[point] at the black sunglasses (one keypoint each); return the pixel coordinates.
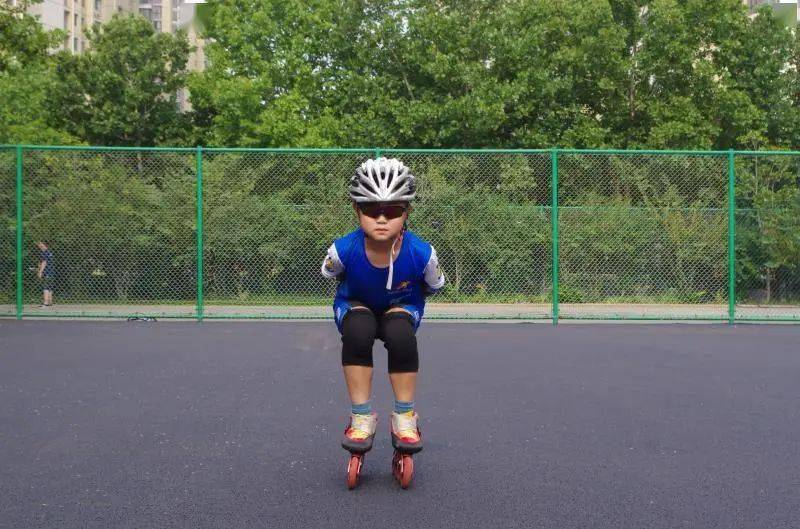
(376, 209)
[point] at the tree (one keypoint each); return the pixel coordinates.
(268, 65)
(483, 73)
(794, 84)
(769, 226)
(25, 77)
(23, 40)
(759, 69)
(680, 91)
(407, 73)
(123, 90)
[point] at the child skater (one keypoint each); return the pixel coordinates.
(385, 272)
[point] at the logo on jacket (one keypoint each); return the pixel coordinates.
(403, 285)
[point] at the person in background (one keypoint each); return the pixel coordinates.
(46, 273)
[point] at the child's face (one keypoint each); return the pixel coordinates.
(382, 221)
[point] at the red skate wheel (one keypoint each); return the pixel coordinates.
(354, 470)
(406, 470)
(396, 466)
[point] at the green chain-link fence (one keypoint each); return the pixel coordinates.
(767, 259)
(643, 235)
(8, 243)
(240, 233)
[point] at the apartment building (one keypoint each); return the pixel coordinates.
(786, 10)
(169, 16)
(74, 16)
(186, 21)
(162, 13)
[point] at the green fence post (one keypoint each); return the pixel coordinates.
(199, 186)
(554, 224)
(19, 232)
(731, 238)
(377, 153)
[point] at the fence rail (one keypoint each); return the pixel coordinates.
(522, 234)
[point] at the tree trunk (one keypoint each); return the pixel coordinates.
(457, 284)
(769, 285)
(122, 282)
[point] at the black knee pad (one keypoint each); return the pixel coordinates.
(359, 329)
(397, 333)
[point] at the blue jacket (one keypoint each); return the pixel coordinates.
(416, 273)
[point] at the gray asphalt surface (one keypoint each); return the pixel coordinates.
(174, 424)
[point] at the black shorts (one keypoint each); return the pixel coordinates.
(48, 282)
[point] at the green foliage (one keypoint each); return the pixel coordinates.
(530, 73)
(760, 70)
(25, 78)
(23, 41)
(23, 116)
(768, 255)
(122, 91)
(7, 223)
(122, 223)
(410, 73)
(632, 228)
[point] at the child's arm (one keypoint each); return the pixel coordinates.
(434, 277)
(332, 266)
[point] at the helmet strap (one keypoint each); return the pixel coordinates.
(399, 238)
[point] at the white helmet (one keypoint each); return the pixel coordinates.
(383, 180)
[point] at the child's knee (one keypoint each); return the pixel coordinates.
(359, 329)
(397, 332)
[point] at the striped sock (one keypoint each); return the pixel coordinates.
(403, 407)
(362, 409)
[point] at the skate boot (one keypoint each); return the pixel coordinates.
(406, 436)
(357, 440)
(407, 441)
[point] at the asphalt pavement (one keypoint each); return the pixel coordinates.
(228, 424)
